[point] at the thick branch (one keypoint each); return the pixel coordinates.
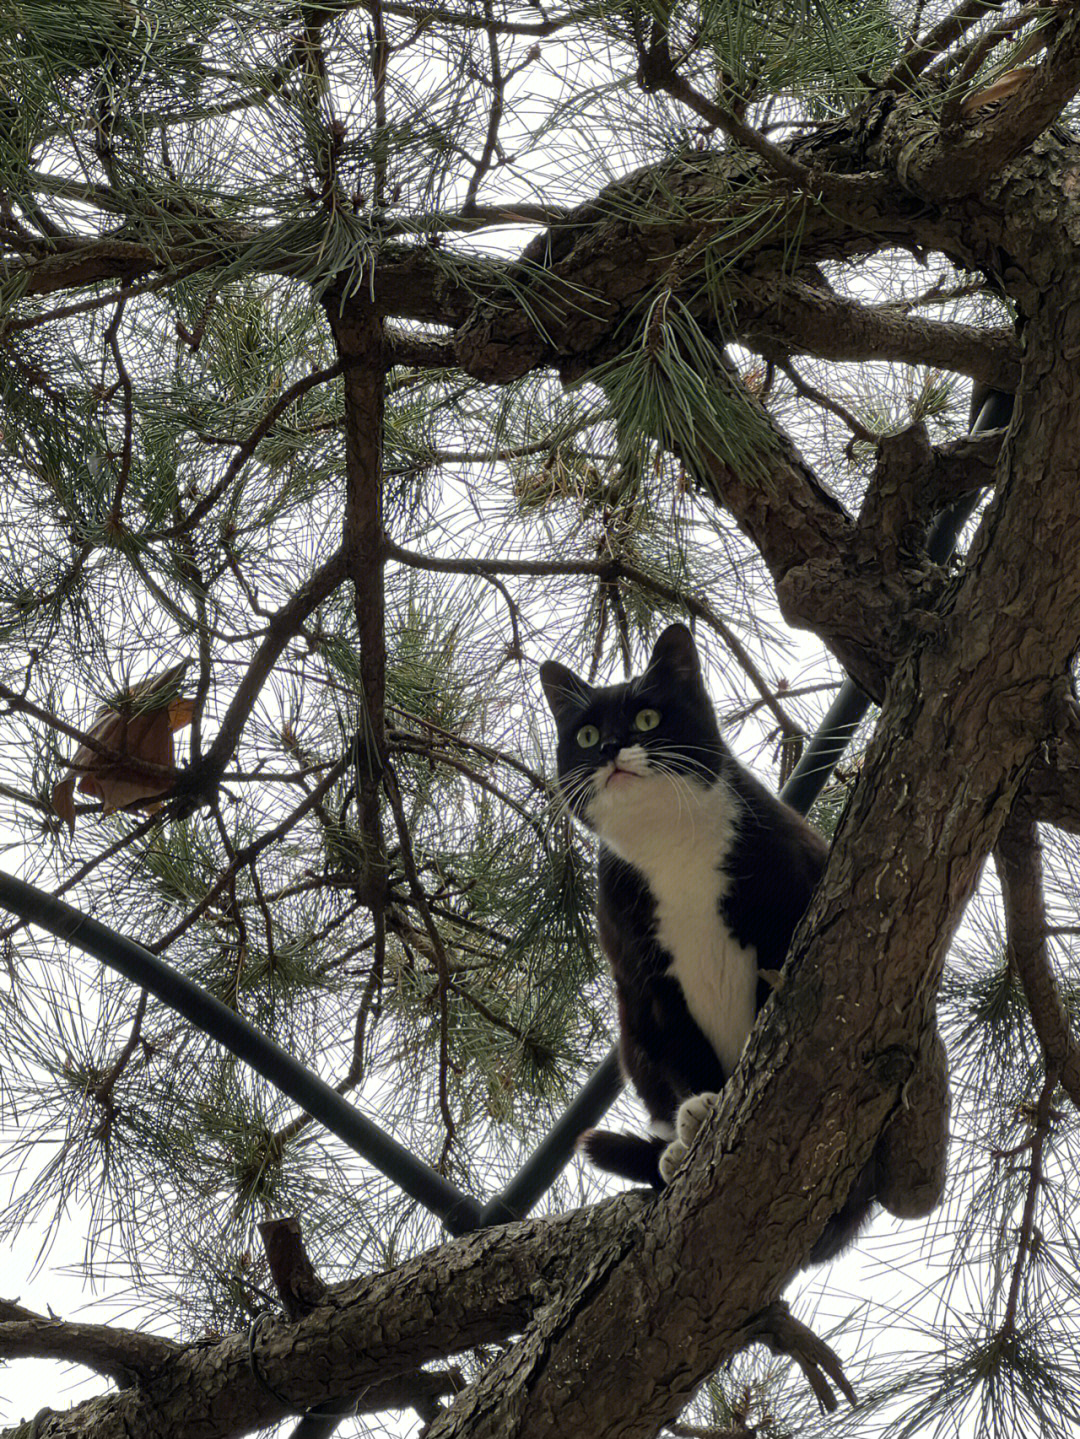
(807, 318)
(941, 165)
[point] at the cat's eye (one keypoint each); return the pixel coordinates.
(646, 719)
(587, 736)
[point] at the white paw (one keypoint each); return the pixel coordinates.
(670, 1160)
(692, 1114)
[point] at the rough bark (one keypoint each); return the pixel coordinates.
(648, 1297)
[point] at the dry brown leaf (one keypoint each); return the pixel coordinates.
(140, 726)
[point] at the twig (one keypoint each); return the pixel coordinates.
(1025, 1244)
(282, 628)
(151, 822)
(536, 779)
(102, 302)
(495, 113)
(113, 756)
(111, 339)
(247, 854)
(420, 899)
(428, 750)
(658, 72)
(368, 1004)
(548, 445)
(979, 48)
(463, 20)
(939, 39)
(609, 570)
(380, 59)
(102, 1089)
(283, 402)
(232, 910)
(856, 426)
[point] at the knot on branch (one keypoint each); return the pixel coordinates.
(894, 515)
(299, 1287)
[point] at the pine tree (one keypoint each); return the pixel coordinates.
(360, 355)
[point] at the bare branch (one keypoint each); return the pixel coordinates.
(803, 317)
(122, 1354)
(778, 1329)
(1019, 865)
(283, 627)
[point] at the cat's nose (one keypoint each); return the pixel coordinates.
(609, 748)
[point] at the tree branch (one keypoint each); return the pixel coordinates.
(803, 1101)
(122, 1354)
(283, 627)
(1018, 857)
(941, 165)
(807, 318)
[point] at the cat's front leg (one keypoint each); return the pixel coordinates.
(692, 1114)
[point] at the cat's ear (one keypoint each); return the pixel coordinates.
(675, 655)
(566, 693)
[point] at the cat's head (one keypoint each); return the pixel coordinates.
(623, 747)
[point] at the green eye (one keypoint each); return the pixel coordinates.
(587, 736)
(646, 719)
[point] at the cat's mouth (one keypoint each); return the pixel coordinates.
(620, 776)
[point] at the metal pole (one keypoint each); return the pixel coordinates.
(548, 1160)
(828, 743)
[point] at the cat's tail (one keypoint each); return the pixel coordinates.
(631, 1156)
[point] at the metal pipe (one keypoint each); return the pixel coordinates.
(828, 743)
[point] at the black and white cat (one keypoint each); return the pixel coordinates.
(703, 876)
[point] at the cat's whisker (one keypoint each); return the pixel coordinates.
(673, 761)
(577, 786)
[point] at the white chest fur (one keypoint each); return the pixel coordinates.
(678, 834)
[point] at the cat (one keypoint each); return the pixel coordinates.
(703, 876)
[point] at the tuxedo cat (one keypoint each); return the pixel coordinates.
(703, 876)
